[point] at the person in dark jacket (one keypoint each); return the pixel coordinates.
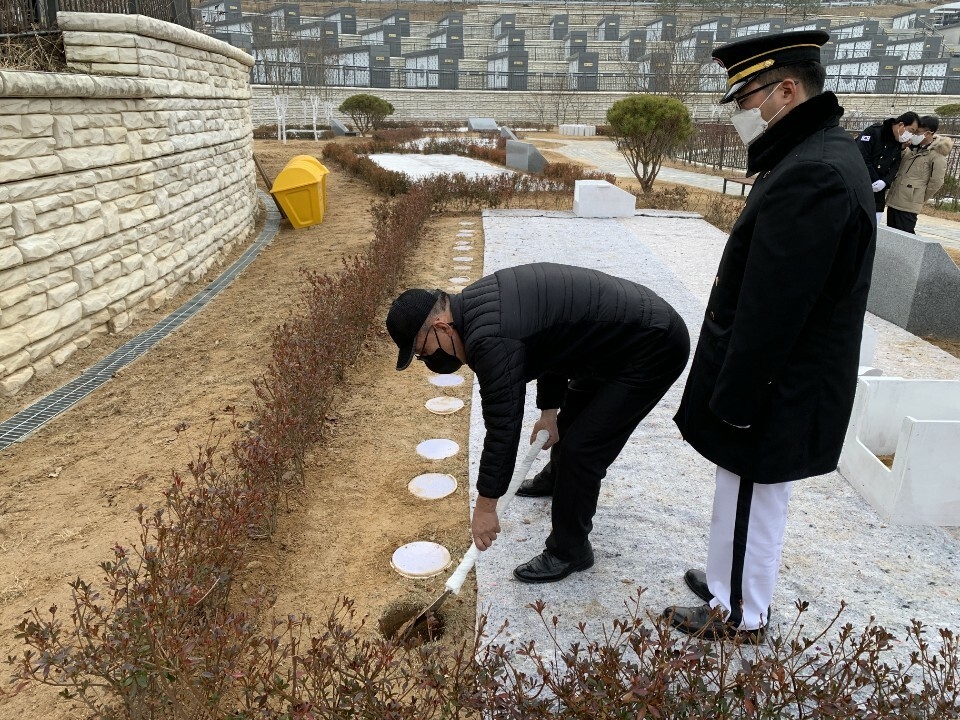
(603, 351)
(881, 145)
(773, 377)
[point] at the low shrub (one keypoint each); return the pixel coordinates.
(674, 198)
(397, 135)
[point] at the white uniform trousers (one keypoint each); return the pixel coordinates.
(746, 540)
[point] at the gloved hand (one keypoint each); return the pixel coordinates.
(878, 185)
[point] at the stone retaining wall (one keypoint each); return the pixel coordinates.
(118, 185)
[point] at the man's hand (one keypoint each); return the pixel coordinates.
(878, 185)
(548, 422)
(485, 524)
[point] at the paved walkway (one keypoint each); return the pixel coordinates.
(603, 155)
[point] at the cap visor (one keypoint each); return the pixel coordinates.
(404, 358)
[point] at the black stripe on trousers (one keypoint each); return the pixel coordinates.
(741, 526)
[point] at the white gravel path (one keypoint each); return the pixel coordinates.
(655, 503)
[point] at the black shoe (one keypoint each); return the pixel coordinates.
(540, 485)
(707, 623)
(696, 580)
(547, 567)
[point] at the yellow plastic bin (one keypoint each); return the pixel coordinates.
(301, 190)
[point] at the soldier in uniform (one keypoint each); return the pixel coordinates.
(772, 382)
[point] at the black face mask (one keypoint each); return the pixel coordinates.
(440, 361)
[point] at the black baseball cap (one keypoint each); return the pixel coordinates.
(745, 59)
(407, 315)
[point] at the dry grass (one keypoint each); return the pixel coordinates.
(949, 346)
(33, 52)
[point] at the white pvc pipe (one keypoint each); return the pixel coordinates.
(519, 473)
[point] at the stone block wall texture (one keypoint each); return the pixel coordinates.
(118, 185)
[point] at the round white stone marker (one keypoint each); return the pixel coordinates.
(466, 222)
(420, 559)
(443, 405)
(463, 258)
(437, 449)
(432, 486)
(459, 280)
(446, 380)
(465, 233)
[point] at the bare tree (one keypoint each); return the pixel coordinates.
(666, 72)
(559, 102)
(278, 73)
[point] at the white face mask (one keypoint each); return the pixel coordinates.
(916, 139)
(750, 124)
(906, 136)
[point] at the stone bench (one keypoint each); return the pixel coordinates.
(918, 422)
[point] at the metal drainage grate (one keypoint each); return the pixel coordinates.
(66, 396)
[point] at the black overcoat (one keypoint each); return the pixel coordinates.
(881, 152)
(780, 342)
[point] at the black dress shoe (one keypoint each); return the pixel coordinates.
(547, 567)
(540, 485)
(708, 623)
(696, 580)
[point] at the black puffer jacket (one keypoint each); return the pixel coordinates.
(550, 323)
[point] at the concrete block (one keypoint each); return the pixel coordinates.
(598, 198)
(915, 285)
(482, 125)
(507, 133)
(12, 384)
(339, 129)
(524, 156)
(868, 345)
(579, 130)
(918, 422)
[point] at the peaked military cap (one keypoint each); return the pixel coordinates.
(745, 59)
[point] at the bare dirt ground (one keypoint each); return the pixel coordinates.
(67, 491)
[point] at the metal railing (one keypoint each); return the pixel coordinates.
(26, 17)
(717, 145)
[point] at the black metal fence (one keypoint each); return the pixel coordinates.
(24, 17)
(717, 145)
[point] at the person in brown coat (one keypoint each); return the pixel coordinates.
(922, 170)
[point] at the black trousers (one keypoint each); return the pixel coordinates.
(902, 220)
(595, 421)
